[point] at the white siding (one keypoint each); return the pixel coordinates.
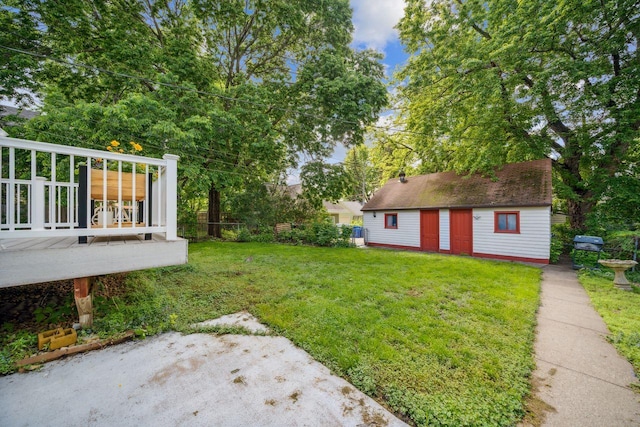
(533, 241)
(445, 243)
(407, 233)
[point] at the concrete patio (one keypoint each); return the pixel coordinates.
(197, 379)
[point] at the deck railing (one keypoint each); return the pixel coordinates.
(46, 191)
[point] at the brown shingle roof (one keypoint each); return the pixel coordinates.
(515, 184)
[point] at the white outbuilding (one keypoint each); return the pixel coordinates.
(506, 215)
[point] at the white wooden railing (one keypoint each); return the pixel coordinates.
(46, 191)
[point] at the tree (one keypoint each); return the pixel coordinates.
(322, 181)
(244, 85)
(18, 72)
(500, 80)
(364, 177)
(261, 204)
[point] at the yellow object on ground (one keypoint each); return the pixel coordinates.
(57, 338)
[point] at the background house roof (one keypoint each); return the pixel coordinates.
(346, 207)
(515, 184)
(6, 110)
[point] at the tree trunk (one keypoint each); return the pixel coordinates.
(578, 210)
(214, 212)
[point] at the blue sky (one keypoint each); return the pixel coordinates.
(374, 22)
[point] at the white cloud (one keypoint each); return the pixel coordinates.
(374, 21)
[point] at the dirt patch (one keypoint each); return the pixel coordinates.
(536, 409)
(51, 305)
(231, 273)
(346, 410)
(346, 390)
(414, 293)
(271, 402)
(374, 418)
(177, 369)
(295, 395)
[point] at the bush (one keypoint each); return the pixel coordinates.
(230, 235)
(265, 235)
(323, 233)
(556, 249)
(326, 233)
(587, 259)
(244, 235)
(621, 244)
(561, 241)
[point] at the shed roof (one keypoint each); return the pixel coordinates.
(516, 184)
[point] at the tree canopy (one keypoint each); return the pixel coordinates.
(497, 81)
(237, 88)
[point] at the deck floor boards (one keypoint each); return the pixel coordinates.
(68, 242)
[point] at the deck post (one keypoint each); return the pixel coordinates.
(83, 295)
(83, 215)
(171, 178)
(38, 204)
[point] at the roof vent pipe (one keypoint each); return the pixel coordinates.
(402, 177)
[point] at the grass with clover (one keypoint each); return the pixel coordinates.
(440, 340)
(619, 309)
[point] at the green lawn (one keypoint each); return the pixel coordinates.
(441, 340)
(620, 310)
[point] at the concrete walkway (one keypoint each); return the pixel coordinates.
(579, 375)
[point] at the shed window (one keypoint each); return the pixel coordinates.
(391, 220)
(507, 222)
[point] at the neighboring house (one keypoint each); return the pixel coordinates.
(504, 217)
(344, 212)
(6, 110)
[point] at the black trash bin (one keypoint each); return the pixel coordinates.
(589, 244)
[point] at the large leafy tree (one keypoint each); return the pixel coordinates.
(18, 72)
(364, 177)
(504, 80)
(238, 88)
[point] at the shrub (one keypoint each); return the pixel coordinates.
(230, 235)
(621, 244)
(587, 259)
(326, 233)
(557, 247)
(265, 235)
(563, 235)
(323, 233)
(244, 235)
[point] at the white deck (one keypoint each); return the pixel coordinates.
(51, 195)
(35, 260)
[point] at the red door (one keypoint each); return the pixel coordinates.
(430, 230)
(461, 231)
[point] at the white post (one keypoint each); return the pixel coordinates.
(171, 180)
(37, 204)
